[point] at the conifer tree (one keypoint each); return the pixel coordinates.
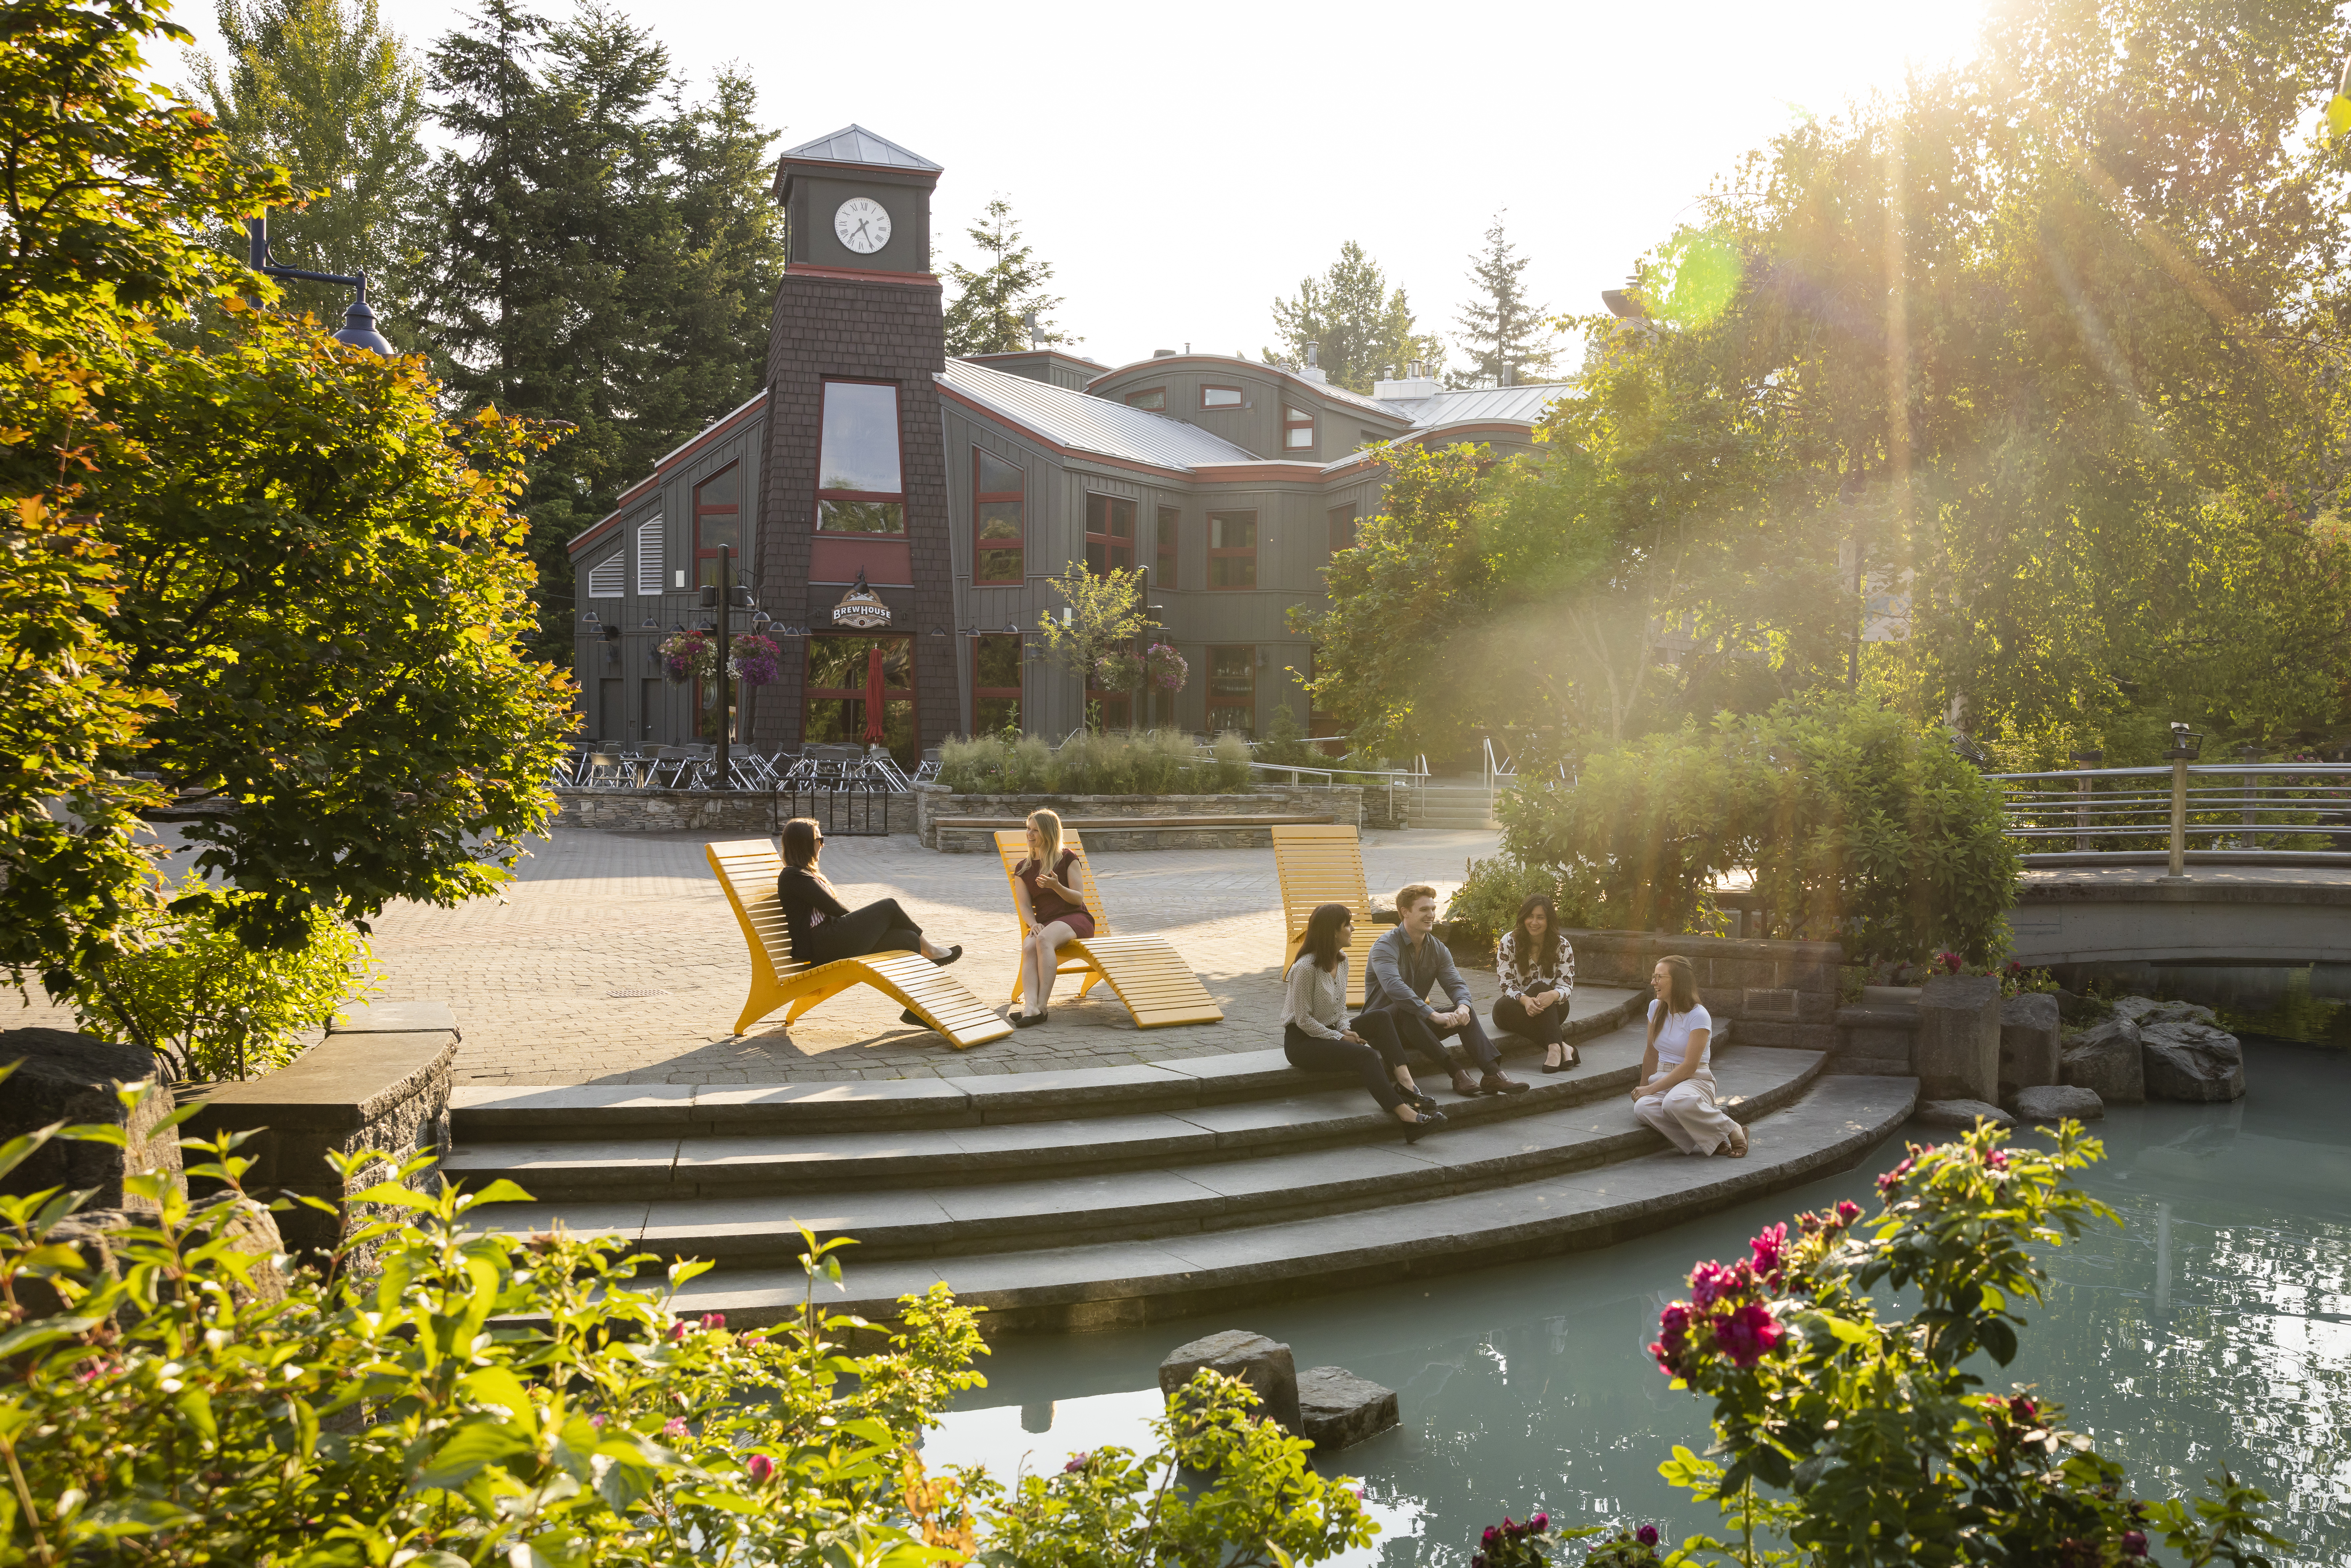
(990, 302)
(1359, 325)
(1501, 330)
(723, 305)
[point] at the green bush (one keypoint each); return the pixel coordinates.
(1858, 826)
(487, 1399)
(1483, 907)
(1285, 741)
(187, 987)
(1116, 762)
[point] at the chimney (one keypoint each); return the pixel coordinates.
(1313, 370)
(1028, 320)
(1414, 386)
(1163, 353)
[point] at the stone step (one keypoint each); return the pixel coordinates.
(747, 1163)
(949, 1218)
(1107, 1283)
(487, 1113)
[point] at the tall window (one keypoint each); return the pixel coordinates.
(1232, 690)
(1342, 527)
(1155, 399)
(996, 685)
(840, 671)
(1169, 521)
(858, 490)
(997, 518)
(1116, 708)
(1109, 534)
(1220, 397)
(1232, 549)
(718, 520)
(1297, 429)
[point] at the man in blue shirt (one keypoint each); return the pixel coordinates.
(1405, 964)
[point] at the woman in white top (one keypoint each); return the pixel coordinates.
(1316, 1036)
(1676, 1094)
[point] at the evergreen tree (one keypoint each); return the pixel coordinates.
(990, 303)
(321, 89)
(723, 304)
(1501, 330)
(1360, 325)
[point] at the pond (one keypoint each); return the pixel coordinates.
(2214, 1329)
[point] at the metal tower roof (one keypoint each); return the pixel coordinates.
(855, 144)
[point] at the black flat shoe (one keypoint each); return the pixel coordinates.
(1424, 1104)
(1557, 1067)
(1414, 1131)
(1023, 1020)
(952, 955)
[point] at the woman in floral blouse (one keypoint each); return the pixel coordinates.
(1537, 969)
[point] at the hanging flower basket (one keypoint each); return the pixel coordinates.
(689, 656)
(1118, 673)
(1163, 667)
(753, 660)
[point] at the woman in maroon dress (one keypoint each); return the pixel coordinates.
(1053, 906)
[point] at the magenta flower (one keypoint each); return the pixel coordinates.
(1996, 1158)
(713, 1320)
(678, 1331)
(1746, 1333)
(674, 1427)
(1647, 1535)
(1710, 1282)
(760, 1468)
(1847, 1211)
(1673, 1326)
(1077, 1462)
(1539, 1523)
(1767, 1249)
(2023, 1411)
(1492, 1537)
(2134, 1544)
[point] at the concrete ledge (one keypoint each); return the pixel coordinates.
(938, 812)
(707, 810)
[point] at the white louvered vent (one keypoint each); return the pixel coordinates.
(609, 578)
(649, 555)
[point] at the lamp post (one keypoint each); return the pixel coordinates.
(359, 321)
(2185, 744)
(721, 596)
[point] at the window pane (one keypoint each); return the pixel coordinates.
(860, 439)
(898, 662)
(1097, 512)
(997, 477)
(836, 663)
(1156, 398)
(1297, 416)
(992, 714)
(999, 520)
(1232, 530)
(1095, 558)
(1122, 519)
(711, 532)
(1243, 719)
(1298, 437)
(1232, 571)
(1342, 528)
(1231, 669)
(861, 518)
(1220, 397)
(997, 663)
(719, 489)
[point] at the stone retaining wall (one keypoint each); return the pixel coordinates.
(708, 811)
(1341, 803)
(1780, 993)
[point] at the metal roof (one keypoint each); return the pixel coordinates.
(1088, 423)
(855, 144)
(1481, 405)
(1331, 389)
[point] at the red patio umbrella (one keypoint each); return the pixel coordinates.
(874, 730)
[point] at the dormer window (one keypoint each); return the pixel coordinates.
(1297, 429)
(1155, 399)
(858, 487)
(1220, 397)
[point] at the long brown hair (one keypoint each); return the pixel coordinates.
(1681, 984)
(1320, 940)
(799, 843)
(1524, 943)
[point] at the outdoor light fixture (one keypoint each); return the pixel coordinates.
(2187, 745)
(1011, 630)
(359, 321)
(649, 624)
(937, 632)
(588, 621)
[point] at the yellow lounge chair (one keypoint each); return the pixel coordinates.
(747, 869)
(1324, 864)
(1150, 976)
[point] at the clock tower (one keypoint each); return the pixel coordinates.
(853, 493)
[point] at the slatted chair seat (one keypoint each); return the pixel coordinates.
(1324, 864)
(1146, 974)
(747, 870)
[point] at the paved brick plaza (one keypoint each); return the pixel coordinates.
(533, 976)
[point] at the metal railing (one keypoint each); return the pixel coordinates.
(1389, 778)
(1496, 767)
(2290, 808)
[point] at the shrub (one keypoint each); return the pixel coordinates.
(216, 1008)
(1483, 907)
(1146, 762)
(1857, 824)
(1285, 741)
(176, 1415)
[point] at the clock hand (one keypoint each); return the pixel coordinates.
(861, 229)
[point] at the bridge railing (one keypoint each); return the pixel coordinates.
(2234, 806)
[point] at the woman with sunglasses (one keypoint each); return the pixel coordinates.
(824, 929)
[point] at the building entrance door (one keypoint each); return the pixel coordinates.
(849, 678)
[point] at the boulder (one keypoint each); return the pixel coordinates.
(2029, 1053)
(2145, 1010)
(1265, 1365)
(1961, 1113)
(2058, 1103)
(1340, 1408)
(2187, 1059)
(95, 1234)
(2105, 1061)
(1956, 1053)
(68, 1077)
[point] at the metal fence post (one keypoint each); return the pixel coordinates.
(2178, 814)
(2085, 760)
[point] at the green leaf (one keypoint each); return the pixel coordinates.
(2338, 116)
(44, 1331)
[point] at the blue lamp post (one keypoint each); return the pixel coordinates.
(359, 321)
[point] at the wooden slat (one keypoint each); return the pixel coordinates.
(1146, 974)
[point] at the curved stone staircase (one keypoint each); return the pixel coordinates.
(1122, 1194)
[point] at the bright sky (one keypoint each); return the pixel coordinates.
(1182, 164)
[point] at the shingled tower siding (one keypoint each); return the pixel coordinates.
(870, 329)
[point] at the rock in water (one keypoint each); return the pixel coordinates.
(1962, 1113)
(1956, 1052)
(2187, 1060)
(1265, 1365)
(2029, 1054)
(2105, 1061)
(1341, 1408)
(2057, 1102)
(2145, 1010)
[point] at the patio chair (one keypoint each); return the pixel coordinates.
(747, 869)
(1146, 974)
(1324, 864)
(603, 770)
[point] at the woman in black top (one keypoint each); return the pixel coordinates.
(824, 929)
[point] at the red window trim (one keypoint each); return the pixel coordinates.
(1108, 540)
(1240, 397)
(1288, 425)
(1231, 552)
(1209, 685)
(1135, 399)
(898, 496)
(979, 498)
(980, 694)
(735, 509)
(1167, 546)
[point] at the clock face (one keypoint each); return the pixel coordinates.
(862, 225)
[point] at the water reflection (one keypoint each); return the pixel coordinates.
(2214, 1331)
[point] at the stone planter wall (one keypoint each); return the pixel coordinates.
(1780, 993)
(704, 811)
(1324, 804)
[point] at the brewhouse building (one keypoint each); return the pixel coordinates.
(899, 513)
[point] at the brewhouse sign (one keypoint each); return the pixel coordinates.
(861, 609)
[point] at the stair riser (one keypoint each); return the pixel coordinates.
(967, 1238)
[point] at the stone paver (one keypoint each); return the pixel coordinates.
(614, 960)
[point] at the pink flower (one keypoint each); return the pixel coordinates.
(1996, 1158)
(2023, 1411)
(676, 1427)
(1672, 1327)
(760, 1468)
(1077, 1462)
(1647, 1535)
(2134, 1544)
(1710, 1282)
(597, 1421)
(1492, 1537)
(1847, 1211)
(1767, 1249)
(713, 1320)
(1745, 1334)
(678, 1331)
(1539, 1523)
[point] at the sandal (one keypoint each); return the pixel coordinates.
(1738, 1150)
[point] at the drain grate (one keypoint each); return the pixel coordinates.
(636, 991)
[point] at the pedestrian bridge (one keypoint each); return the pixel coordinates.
(2220, 911)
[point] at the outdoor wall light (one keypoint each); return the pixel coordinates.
(587, 623)
(2187, 745)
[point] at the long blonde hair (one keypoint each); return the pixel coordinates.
(1048, 825)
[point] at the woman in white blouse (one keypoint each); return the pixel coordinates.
(1316, 1036)
(1676, 1094)
(1537, 969)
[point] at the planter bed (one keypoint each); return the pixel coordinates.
(967, 824)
